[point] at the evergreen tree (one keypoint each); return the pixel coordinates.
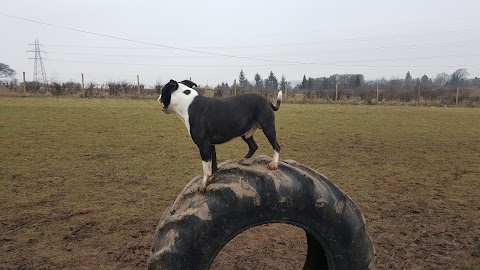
(476, 81)
(408, 79)
(310, 83)
(224, 85)
(358, 81)
(283, 83)
(271, 82)
(424, 80)
(242, 80)
(326, 83)
(258, 81)
(304, 84)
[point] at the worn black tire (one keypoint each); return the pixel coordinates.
(195, 228)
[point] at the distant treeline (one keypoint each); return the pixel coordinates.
(444, 89)
(393, 91)
(350, 81)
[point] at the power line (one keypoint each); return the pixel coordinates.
(166, 65)
(152, 44)
(102, 47)
(405, 66)
(462, 43)
(270, 61)
(375, 49)
(337, 63)
(341, 28)
(347, 40)
(245, 46)
(128, 55)
(350, 51)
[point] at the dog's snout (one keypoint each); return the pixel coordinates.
(160, 99)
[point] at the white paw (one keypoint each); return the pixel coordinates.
(272, 165)
(202, 188)
(205, 182)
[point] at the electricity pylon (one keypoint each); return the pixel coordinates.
(38, 66)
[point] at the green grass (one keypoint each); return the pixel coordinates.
(83, 182)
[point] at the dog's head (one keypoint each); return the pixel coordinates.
(175, 95)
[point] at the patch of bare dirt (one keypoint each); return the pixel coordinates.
(270, 246)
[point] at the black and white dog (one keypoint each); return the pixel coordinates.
(211, 121)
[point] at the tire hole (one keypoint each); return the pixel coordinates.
(269, 246)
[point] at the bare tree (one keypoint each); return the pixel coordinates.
(441, 79)
(6, 71)
(459, 77)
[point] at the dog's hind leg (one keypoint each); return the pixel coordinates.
(271, 135)
(214, 159)
(252, 146)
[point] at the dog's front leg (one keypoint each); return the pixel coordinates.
(207, 174)
(206, 154)
(273, 165)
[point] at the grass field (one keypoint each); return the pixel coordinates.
(83, 182)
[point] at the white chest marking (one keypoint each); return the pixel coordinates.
(180, 102)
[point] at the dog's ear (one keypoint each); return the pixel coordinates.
(173, 85)
(167, 91)
(169, 87)
(189, 83)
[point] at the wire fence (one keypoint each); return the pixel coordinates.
(429, 96)
(466, 96)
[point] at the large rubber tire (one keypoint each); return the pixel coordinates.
(195, 228)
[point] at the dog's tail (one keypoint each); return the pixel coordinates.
(279, 100)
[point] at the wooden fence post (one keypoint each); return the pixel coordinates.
(138, 85)
(418, 97)
(235, 87)
(456, 99)
(336, 92)
(377, 92)
(83, 87)
(24, 84)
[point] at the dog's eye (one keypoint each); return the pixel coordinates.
(186, 92)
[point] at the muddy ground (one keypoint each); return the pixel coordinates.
(83, 183)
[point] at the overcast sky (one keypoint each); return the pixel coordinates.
(210, 41)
